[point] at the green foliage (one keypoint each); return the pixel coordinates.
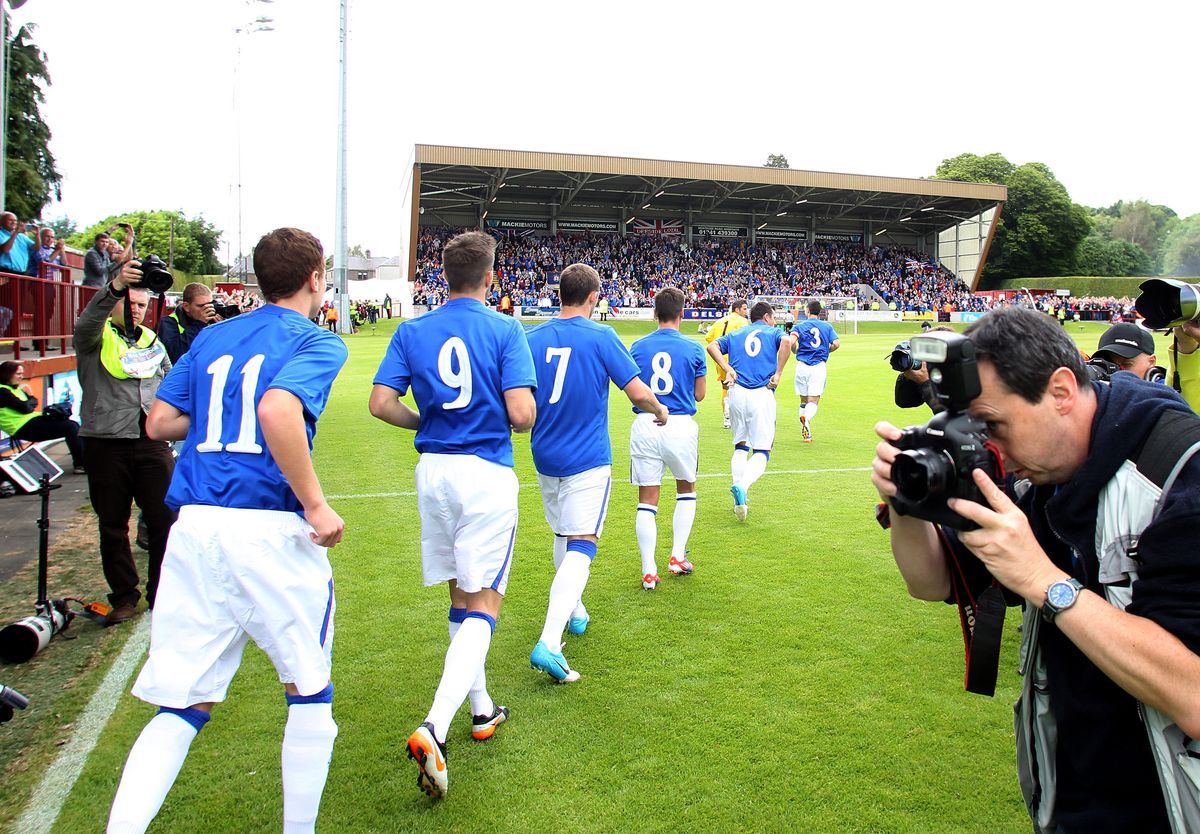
(30, 173)
(1138, 222)
(195, 240)
(1181, 249)
(1079, 285)
(776, 160)
(64, 227)
(1100, 255)
(969, 167)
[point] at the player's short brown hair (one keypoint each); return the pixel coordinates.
(668, 304)
(760, 310)
(576, 283)
(283, 261)
(467, 259)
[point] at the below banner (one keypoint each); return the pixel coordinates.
(588, 225)
(694, 313)
(516, 223)
(844, 237)
(781, 234)
(656, 227)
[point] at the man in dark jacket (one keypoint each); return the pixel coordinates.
(1071, 438)
(179, 328)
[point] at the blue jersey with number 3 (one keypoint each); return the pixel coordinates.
(575, 359)
(753, 353)
(459, 360)
(670, 363)
(219, 383)
(814, 338)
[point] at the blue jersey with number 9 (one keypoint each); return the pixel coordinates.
(219, 383)
(459, 360)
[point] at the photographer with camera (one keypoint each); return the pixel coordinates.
(195, 311)
(120, 365)
(20, 418)
(913, 388)
(1127, 347)
(1099, 549)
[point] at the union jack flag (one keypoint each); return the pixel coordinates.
(656, 227)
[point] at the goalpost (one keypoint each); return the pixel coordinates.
(839, 310)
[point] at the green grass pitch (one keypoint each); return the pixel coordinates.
(790, 684)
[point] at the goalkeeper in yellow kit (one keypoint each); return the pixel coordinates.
(734, 320)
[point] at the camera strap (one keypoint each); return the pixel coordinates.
(982, 622)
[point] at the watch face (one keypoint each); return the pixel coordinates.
(1061, 594)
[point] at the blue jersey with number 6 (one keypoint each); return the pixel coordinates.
(219, 383)
(753, 353)
(670, 363)
(575, 358)
(459, 360)
(814, 338)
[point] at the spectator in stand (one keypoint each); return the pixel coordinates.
(194, 312)
(49, 252)
(15, 246)
(97, 262)
(21, 419)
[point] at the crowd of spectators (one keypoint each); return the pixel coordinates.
(708, 271)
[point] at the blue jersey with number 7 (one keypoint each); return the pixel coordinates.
(219, 383)
(459, 360)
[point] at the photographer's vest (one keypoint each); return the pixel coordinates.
(122, 360)
(174, 316)
(1128, 503)
(10, 419)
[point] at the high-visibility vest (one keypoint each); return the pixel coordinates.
(11, 420)
(122, 360)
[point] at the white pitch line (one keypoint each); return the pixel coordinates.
(47, 801)
(713, 475)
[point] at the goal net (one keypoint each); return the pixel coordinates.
(840, 311)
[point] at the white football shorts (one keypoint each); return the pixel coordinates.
(468, 511)
(653, 447)
(810, 379)
(752, 416)
(577, 504)
(232, 575)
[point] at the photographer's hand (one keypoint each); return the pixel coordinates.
(885, 455)
(1005, 542)
(129, 276)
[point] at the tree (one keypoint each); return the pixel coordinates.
(30, 173)
(1181, 249)
(1100, 255)
(776, 160)
(191, 245)
(1145, 224)
(64, 227)
(1039, 228)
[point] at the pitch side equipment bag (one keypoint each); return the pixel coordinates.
(1128, 503)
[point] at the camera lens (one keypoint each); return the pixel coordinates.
(919, 473)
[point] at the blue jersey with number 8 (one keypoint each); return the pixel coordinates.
(670, 363)
(219, 383)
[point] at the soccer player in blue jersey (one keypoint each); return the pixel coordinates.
(575, 360)
(674, 368)
(247, 558)
(472, 377)
(815, 340)
(757, 355)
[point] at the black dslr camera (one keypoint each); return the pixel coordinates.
(155, 276)
(902, 358)
(938, 458)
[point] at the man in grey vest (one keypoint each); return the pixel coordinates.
(1113, 617)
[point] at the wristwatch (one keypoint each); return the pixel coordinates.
(1060, 596)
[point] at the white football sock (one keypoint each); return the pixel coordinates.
(725, 404)
(681, 523)
(150, 771)
(464, 659)
(307, 748)
(755, 467)
(646, 527)
(812, 412)
(738, 464)
(803, 411)
(569, 582)
(560, 549)
(481, 701)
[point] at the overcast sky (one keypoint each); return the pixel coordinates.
(144, 113)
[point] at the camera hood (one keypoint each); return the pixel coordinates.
(1168, 303)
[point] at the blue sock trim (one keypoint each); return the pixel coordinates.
(196, 717)
(479, 615)
(741, 446)
(583, 546)
(325, 696)
(642, 508)
(689, 497)
(457, 615)
(766, 453)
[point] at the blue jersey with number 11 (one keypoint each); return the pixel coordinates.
(459, 360)
(219, 384)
